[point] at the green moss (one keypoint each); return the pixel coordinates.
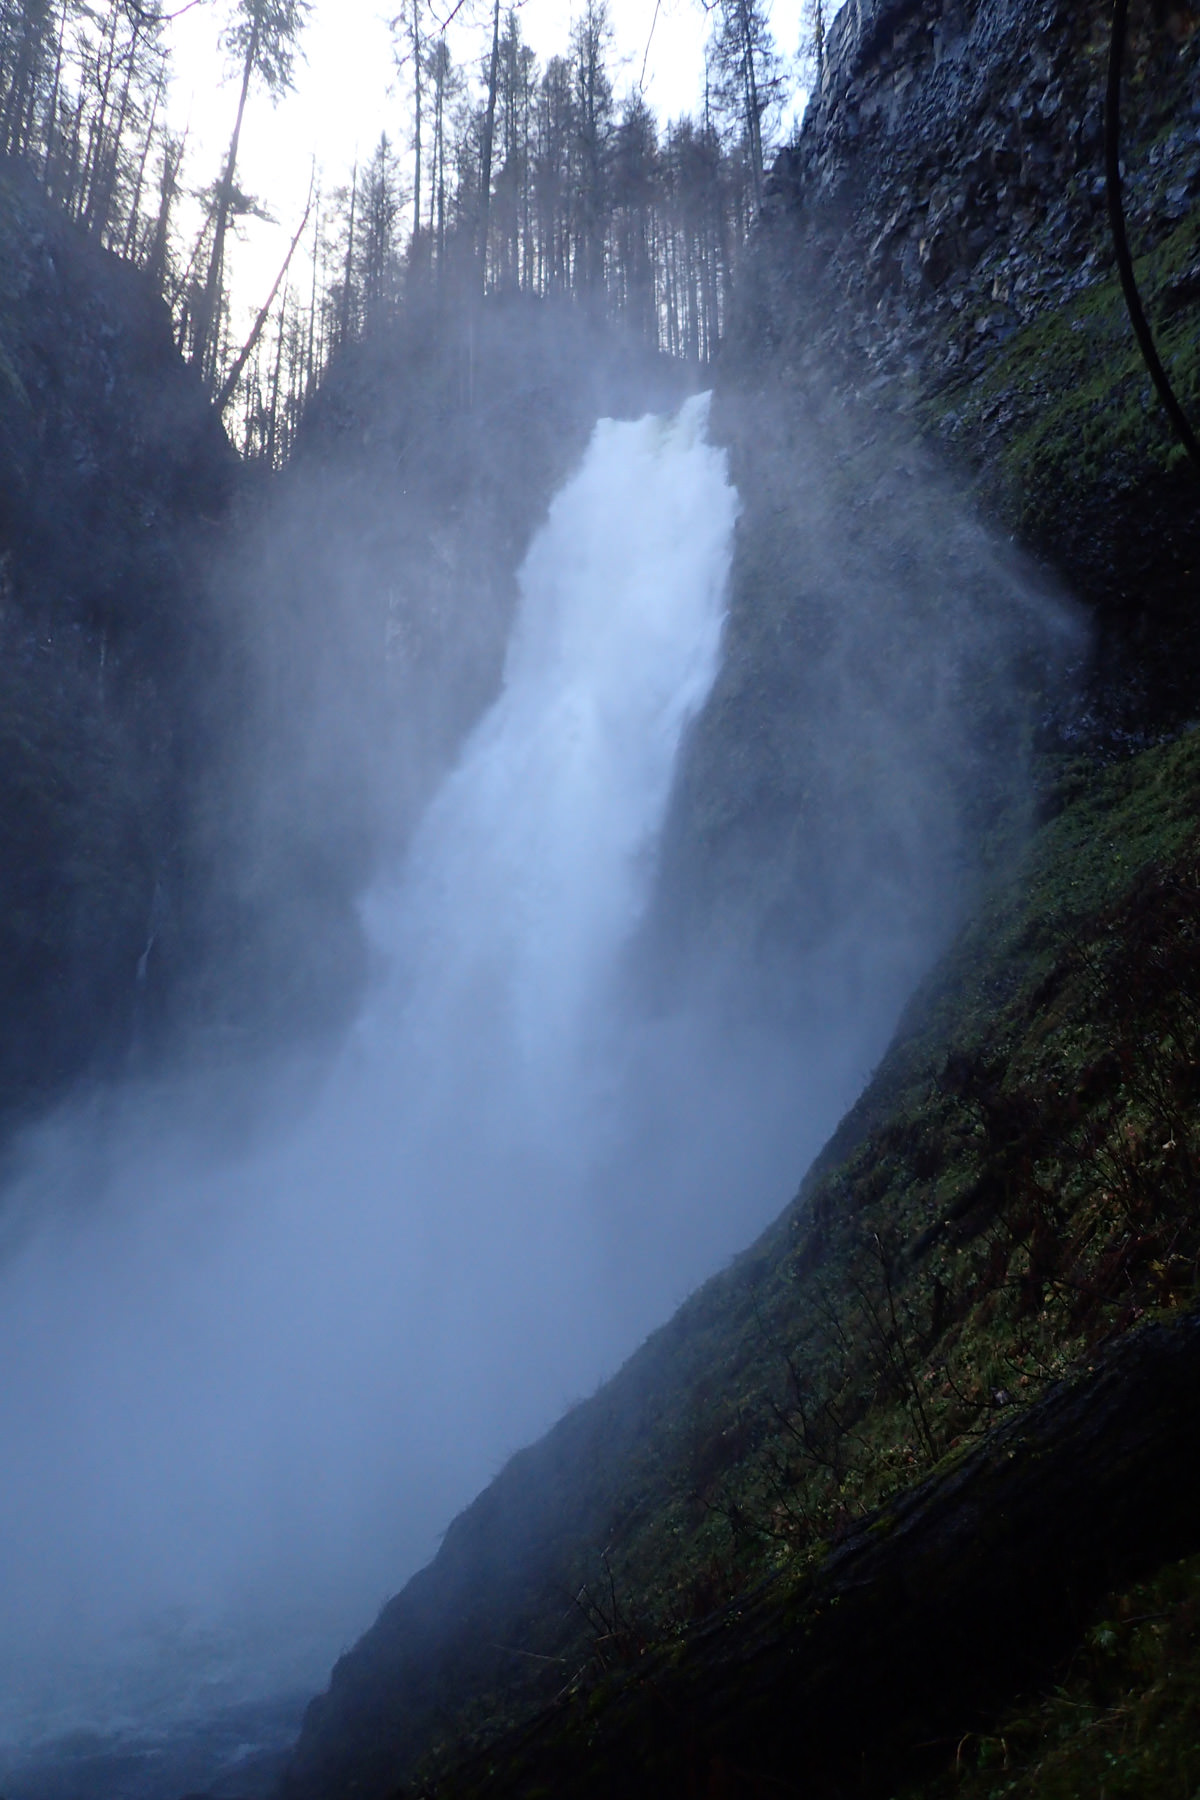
(1016, 1185)
(1072, 396)
(1001, 1196)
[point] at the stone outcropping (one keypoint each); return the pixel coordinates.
(114, 473)
(937, 243)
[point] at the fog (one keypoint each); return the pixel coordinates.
(245, 1387)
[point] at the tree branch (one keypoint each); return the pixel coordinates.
(231, 380)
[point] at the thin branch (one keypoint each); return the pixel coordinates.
(649, 41)
(225, 395)
(451, 15)
(152, 19)
(1120, 237)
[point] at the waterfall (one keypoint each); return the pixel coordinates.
(241, 1397)
(530, 871)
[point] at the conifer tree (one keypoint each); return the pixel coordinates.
(263, 41)
(747, 75)
(590, 42)
(378, 254)
(411, 52)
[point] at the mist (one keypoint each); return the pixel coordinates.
(249, 1379)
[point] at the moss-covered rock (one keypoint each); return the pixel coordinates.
(937, 243)
(1012, 1194)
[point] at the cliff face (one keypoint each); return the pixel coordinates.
(647, 1601)
(225, 697)
(937, 243)
(113, 474)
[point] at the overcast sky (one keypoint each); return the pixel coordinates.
(347, 92)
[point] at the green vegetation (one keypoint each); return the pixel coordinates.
(1071, 393)
(1014, 1188)
(1060, 417)
(1011, 1199)
(1122, 1722)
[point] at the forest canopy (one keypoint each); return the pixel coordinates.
(502, 172)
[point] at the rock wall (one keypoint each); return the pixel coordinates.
(114, 475)
(936, 245)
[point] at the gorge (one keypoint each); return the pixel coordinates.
(548, 866)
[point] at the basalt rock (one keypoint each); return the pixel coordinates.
(114, 473)
(936, 243)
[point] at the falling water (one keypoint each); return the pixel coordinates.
(240, 1398)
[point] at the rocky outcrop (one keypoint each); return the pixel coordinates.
(937, 244)
(894, 1649)
(929, 329)
(113, 475)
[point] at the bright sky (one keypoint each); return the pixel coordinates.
(347, 93)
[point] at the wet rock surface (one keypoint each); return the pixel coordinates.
(937, 243)
(113, 477)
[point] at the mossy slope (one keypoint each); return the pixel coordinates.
(1013, 1193)
(1119, 1719)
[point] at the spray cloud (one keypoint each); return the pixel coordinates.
(243, 1393)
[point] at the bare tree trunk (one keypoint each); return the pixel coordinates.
(437, 181)
(135, 205)
(418, 83)
(52, 110)
(273, 417)
(110, 163)
(310, 366)
(348, 273)
(489, 131)
(91, 187)
(203, 330)
(156, 260)
(225, 395)
(753, 111)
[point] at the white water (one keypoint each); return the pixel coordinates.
(239, 1399)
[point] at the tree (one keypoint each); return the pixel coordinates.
(635, 191)
(553, 175)
(170, 163)
(488, 140)
(263, 39)
(747, 75)
(811, 56)
(410, 52)
(80, 90)
(446, 83)
(28, 32)
(512, 226)
(378, 244)
(590, 41)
